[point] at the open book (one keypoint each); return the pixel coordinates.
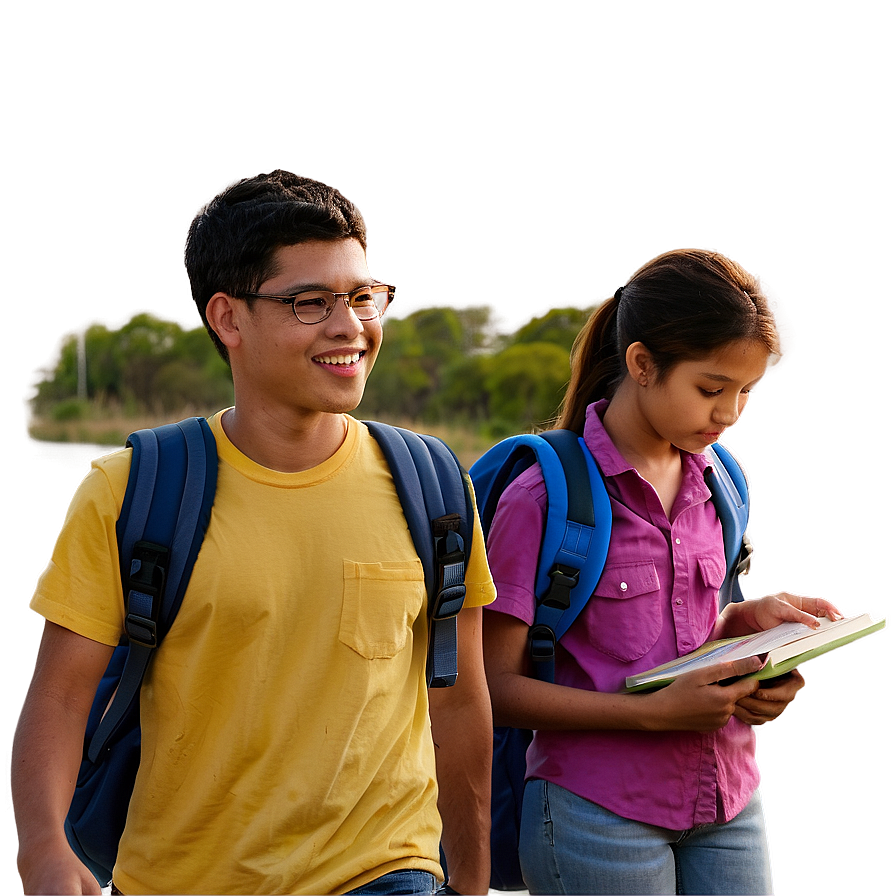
(784, 648)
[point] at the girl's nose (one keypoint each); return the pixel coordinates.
(727, 412)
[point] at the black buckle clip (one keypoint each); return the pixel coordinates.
(542, 643)
(449, 548)
(563, 580)
(450, 588)
(146, 584)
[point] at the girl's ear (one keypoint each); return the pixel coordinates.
(223, 319)
(640, 364)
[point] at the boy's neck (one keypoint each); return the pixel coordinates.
(288, 446)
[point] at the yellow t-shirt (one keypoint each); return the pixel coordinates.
(285, 725)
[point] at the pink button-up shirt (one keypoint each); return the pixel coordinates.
(657, 599)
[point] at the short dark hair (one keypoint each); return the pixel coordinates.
(232, 240)
(682, 305)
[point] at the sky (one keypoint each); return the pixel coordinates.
(519, 155)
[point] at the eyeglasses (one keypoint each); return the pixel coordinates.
(311, 306)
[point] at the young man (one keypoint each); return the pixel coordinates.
(287, 742)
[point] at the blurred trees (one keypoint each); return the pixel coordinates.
(149, 366)
(437, 365)
(443, 365)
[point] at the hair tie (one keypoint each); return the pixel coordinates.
(618, 294)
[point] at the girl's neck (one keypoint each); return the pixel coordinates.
(655, 459)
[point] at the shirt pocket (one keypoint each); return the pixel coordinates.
(712, 571)
(627, 618)
(711, 575)
(380, 602)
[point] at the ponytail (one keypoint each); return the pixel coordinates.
(596, 366)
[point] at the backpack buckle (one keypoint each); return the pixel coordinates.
(450, 588)
(744, 558)
(146, 584)
(563, 580)
(542, 643)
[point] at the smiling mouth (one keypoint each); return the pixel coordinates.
(341, 360)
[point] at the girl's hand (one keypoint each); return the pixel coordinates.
(770, 700)
(750, 616)
(770, 611)
(698, 701)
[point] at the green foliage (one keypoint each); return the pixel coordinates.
(526, 383)
(148, 366)
(560, 326)
(445, 365)
(437, 366)
(463, 395)
(70, 409)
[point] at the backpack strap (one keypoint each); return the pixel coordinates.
(163, 519)
(576, 533)
(579, 557)
(731, 496)
(437, 505)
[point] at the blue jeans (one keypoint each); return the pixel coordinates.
(406, 883)
(571, 845)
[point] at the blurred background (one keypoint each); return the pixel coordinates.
(518, 157)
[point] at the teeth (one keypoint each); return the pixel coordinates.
(341, 359)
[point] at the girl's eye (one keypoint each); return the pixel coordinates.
(711, 393)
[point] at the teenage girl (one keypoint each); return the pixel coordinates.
(646, 793)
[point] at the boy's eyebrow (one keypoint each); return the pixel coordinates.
(309, 287)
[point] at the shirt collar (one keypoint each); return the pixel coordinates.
(612, 463)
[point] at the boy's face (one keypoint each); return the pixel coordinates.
(288, 366)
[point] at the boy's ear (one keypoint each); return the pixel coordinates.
(223, 319)
(640, 363)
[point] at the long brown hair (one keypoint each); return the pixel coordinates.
(682, 305)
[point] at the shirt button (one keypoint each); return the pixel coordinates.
(677, 541)
(679, 602)
(623, 587)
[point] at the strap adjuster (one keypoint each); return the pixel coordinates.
(141, 630)
(563, 580)
(450, 589)
(145, 584)
(542, 643)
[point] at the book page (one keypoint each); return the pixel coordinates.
(776, 645)
(750, 645)
(829, 630)
(757, 644)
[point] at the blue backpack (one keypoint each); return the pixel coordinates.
(571, 559)
(163, 520)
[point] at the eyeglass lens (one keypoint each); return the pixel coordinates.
(368, 302)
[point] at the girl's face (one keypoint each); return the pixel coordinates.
(699, 400)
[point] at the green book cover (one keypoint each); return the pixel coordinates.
(785, 647)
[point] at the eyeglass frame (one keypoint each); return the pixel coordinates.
(290, 298)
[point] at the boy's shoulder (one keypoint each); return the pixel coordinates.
(106, 480)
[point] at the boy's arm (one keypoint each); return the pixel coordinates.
(46, 756)
(462, 733)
